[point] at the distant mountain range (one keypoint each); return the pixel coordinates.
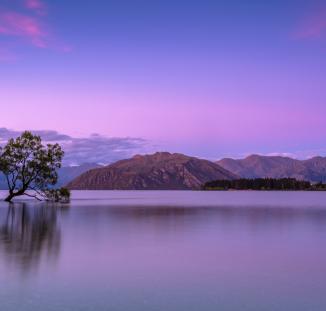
(160, 171)
(313, 169)
(255, 166)
(66, 173)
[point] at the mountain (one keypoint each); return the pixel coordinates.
(160, 171)
(66, 173)
(69, 173)
(255, 165)
(3, 182)
(313, 169)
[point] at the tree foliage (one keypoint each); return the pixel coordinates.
(56, 195)
(258, 184)
(28, 165)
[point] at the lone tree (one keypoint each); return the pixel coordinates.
(28, 165)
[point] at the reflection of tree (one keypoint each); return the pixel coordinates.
(29, 235)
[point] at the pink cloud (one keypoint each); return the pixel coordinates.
(29, 28)
(26, 27)
(314, 27)
(36, 5)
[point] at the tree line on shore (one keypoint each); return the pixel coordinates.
(262, 184)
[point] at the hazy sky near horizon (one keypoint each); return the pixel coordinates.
(205, 78)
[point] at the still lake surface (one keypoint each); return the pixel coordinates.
(165, 250)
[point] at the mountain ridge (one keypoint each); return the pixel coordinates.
(257, 166)
(160, 171)
(313, 169)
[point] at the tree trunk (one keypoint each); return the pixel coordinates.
(12, 195)
(9, 197)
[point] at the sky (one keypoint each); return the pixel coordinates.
(108, 79)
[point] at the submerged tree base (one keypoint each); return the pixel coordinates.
(18, 193)
(50, 195)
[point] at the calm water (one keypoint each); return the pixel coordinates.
(165, 250)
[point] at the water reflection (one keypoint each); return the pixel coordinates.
(170, 217)
(171, 255)
(28, 234)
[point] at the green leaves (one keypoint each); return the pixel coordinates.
(27, 164)
(57, 195)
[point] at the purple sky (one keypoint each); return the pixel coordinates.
(205, 78)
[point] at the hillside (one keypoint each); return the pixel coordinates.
(160, 171)
(69, 173)
(255, 166)
(313, 169)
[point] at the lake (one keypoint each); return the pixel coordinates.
(165, 250)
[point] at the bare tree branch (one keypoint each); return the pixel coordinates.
(32, 196)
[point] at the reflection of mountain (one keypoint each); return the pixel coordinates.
(29, 234)
(169, 222)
